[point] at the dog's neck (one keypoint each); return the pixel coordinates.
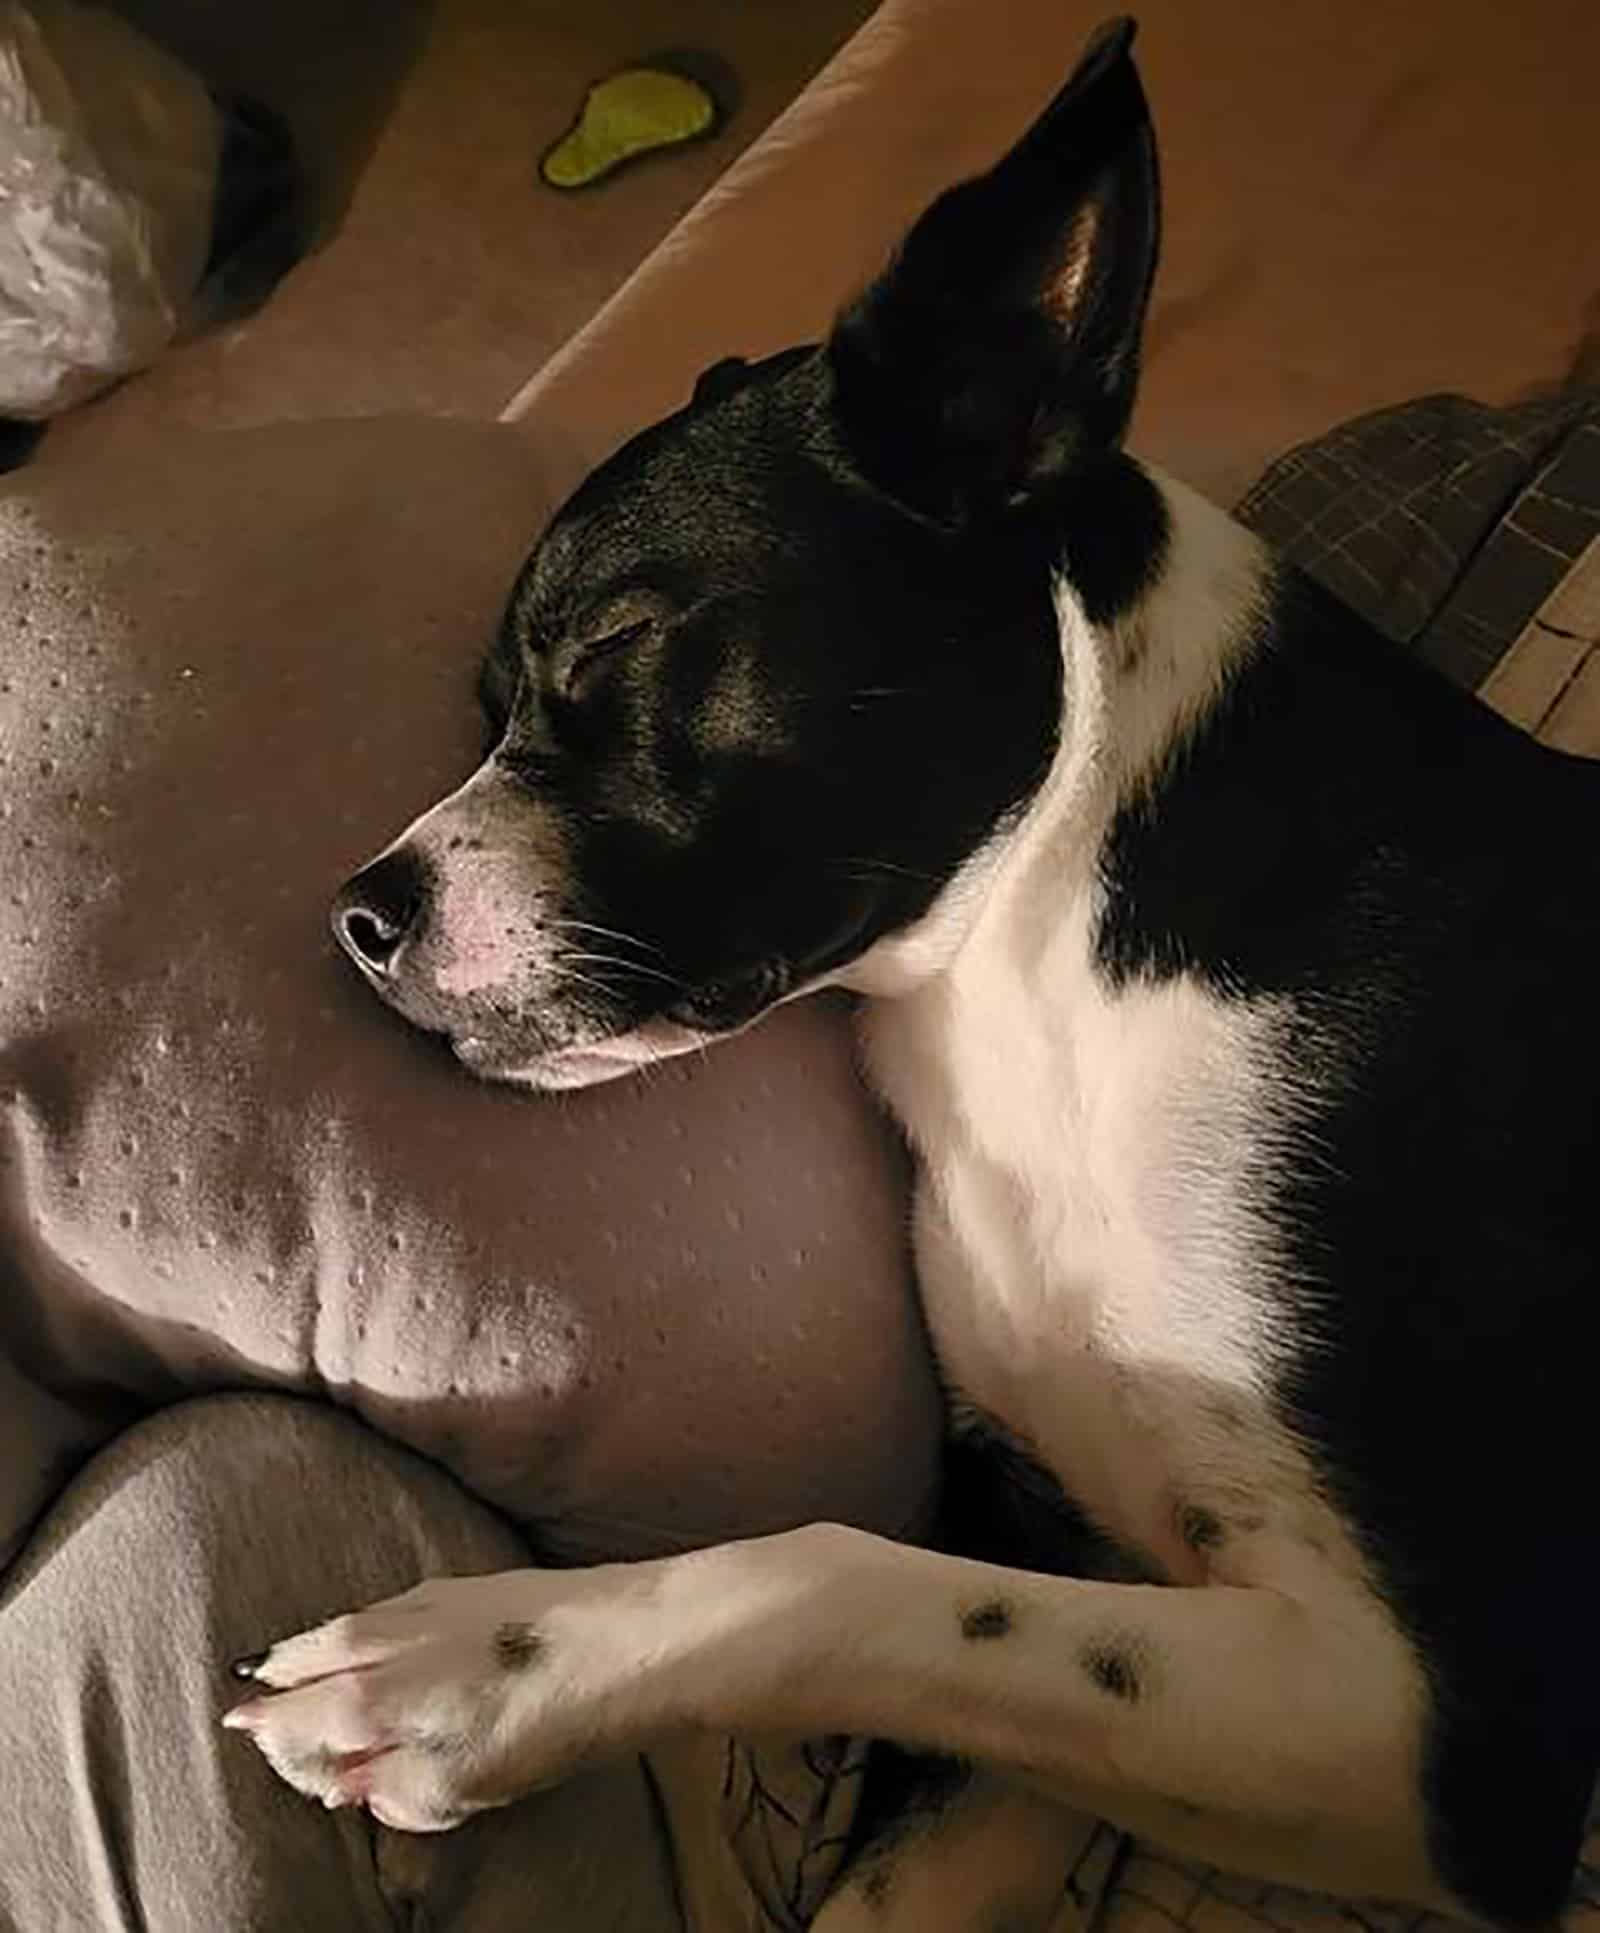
(1132, 691)
(1149, 678)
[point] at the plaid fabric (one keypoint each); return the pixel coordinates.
(1549, 681)
(1446, 523)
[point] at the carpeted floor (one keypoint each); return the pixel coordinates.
(449, 273)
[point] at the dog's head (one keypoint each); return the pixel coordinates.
(783, 665)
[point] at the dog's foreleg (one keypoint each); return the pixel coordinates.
(1231, 1723)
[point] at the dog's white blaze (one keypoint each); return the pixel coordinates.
(1090, 1233)
(496, 869)
(488, 945)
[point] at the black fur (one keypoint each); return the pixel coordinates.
(1001, 1505)
(1201, 1529)
(882, 611)
(1112, 1668)
(991, 1619)
(1419, 883)
(785, 541)
(516, 1645)
(1001, 350)
(850, 620)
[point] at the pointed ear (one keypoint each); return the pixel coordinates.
(1001, 346)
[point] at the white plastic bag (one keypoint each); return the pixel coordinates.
(109, 153)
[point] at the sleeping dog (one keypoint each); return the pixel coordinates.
(1232, 978)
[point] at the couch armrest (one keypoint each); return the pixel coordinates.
(1361, 205)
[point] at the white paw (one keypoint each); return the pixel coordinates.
(426, 1707)
(467, 1692)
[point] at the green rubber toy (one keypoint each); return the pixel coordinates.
(624, 116)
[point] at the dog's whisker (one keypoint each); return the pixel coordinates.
(587, 981)
(605, 933)
(627, 966)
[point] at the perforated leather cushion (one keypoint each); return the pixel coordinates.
(670, 1310)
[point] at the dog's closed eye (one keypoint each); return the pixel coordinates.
(580, 669)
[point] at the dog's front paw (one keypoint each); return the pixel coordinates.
(458, 1695)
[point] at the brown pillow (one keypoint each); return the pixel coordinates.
(670, 1310)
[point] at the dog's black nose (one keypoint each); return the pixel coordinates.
(379, 910)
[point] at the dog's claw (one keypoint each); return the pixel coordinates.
(247, 1666)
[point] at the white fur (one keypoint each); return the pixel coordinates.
(611, 1059)
(1089, 1239)
(493, 861)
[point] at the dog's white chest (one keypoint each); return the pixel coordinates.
(1092, 1245)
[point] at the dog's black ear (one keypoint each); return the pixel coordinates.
(1001, 345)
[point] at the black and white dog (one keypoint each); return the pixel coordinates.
(1233, 978)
